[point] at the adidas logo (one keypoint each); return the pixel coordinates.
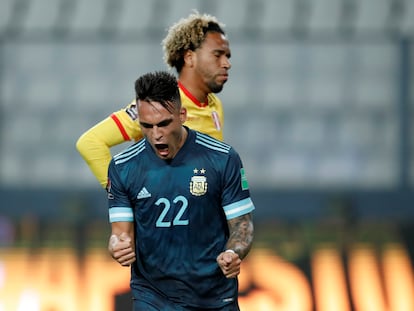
(143, 194)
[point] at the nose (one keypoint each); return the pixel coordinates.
(156, 133)
(226, 63)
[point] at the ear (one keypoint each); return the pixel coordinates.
(189, 58)
(183, 115)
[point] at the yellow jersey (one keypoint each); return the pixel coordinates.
(121, 126)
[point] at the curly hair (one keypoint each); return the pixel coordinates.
(188, 34)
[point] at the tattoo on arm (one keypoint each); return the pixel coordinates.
(241, 235)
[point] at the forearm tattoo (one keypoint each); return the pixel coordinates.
(241, 235)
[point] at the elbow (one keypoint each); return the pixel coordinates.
(85, 144)
(81, 144)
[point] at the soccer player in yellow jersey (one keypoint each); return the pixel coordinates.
(198, 49)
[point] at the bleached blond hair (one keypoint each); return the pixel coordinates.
(188, 34)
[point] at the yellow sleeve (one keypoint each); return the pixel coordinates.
(94, 145)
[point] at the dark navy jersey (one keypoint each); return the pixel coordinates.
(180, 208)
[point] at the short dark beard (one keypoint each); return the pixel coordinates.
(215, 88)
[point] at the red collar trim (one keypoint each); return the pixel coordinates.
(191, 96)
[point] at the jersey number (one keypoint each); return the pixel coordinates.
(162, 222)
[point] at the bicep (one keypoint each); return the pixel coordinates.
(242, 225)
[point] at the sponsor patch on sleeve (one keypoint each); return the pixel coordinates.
(244, 182)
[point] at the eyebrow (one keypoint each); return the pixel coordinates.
(160, 124)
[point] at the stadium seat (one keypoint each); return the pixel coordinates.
(88, 17)
(135, 17)
(372, 16)
(5, 14)
(277, 16)
(36, 20)
(407, 18)
(325, 16)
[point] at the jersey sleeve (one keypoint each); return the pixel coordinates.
(236, 195)
(94, 145)
(119, 206)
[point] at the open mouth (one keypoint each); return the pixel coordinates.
(162, 149)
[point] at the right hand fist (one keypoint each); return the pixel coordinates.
(122, 249)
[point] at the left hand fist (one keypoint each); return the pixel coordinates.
(229, 264)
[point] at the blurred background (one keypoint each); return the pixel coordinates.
(319, 104)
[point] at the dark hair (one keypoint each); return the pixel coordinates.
(159, 86)
(188, 34)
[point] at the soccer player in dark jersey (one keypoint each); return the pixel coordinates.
(179, 207)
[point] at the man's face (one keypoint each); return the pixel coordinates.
(212, 61)
(162, 128)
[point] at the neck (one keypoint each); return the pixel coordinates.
(184, 134)
(198, 97)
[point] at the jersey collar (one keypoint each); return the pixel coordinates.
(191, 96)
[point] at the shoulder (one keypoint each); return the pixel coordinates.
(131, 110)
(212, 144)
(130, 153)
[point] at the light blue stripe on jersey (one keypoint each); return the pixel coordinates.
(238, 208)
(211, 143)
(121, 214)
(130, 152)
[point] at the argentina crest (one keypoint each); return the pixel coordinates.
(198, 183)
